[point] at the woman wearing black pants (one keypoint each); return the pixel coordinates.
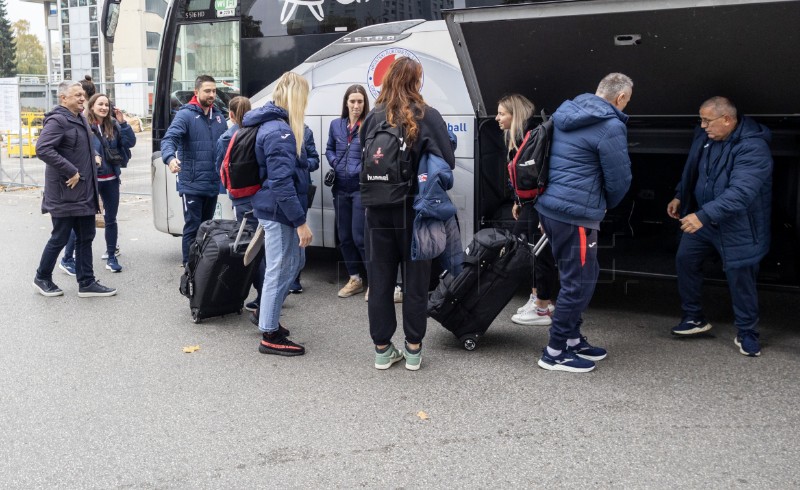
(389, 221)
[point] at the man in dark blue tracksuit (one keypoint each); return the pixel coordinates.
(723, 202)
(188, 149)
(590, 171)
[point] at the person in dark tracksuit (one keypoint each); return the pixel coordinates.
(188, 149)
(723, 203)
(388, 229)
(590, 172)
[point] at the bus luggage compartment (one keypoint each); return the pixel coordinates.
(678, 54)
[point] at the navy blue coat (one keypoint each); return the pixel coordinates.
(344, 158)
(737, 193)
(283, 194)
(194, 134)
(590, 170)
(124, 139)
(65, 146)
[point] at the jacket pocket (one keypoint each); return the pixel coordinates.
(74, 195)
(753, 228)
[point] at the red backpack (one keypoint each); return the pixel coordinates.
(239, 171)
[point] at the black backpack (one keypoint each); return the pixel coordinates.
(530, 168)
(239, 171)
(386, 171)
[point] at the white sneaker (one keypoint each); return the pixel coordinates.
(537, 316)
(531, 304)
(398, 294)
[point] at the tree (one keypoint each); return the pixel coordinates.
(30, 53)
(7, 47)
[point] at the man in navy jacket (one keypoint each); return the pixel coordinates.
(188, 149)
(723, 203)
(590, 172)
(70, 191)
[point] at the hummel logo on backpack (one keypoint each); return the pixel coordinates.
(386, 173)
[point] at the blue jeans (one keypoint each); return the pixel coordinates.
(84, 229)
(109, 192)
(350, 228)
(239, 211)
(196, 209)
(693, 250)
(575, 252)
(282, 257)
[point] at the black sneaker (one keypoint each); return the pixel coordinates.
(254, 321)
(95, 289)
(46, 287)
(277, 343)
(252, 306)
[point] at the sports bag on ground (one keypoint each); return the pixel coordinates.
(216, 281)
(386, 171)
(530, 167)
(496, 262)
(239, 171)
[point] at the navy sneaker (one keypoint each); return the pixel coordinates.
(691, 327)
(587, 351)
(747, 342)
(252, 306)
(112, 264)
(566, 361)
(296, 287)
(46, 287)
(67, 265)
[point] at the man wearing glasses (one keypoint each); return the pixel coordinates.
(723, 204)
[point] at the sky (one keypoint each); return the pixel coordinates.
(32, 12)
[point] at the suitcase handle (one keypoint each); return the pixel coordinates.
(241, 231)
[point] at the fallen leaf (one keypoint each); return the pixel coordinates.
(422, 415)
(191, 348)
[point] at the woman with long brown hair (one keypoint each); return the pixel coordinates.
(390, 215)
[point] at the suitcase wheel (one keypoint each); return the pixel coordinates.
(470, 342)
(195, 315)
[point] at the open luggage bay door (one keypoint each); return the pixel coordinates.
(678, 53)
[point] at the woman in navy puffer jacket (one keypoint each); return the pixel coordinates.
(344, 156)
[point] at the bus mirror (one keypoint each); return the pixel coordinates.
(110, 19)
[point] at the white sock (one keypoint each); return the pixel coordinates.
(553, 352)
(356, 277)
(573, 342)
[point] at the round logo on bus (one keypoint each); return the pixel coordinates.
(377, 69)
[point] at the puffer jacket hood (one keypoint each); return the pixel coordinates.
(585, 110)
(267, 112)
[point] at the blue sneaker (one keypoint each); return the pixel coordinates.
(587, 351)
(747, 342)
(296, 287)
(112, 264)
(566, 361)
(67, 265)
(691, 327)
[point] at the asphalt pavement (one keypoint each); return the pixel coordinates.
(98, 392)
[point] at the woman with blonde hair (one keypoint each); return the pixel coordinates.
(389, 223)
(281, 203)
(515, 116)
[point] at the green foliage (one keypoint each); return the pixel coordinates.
(7, 46)
(30, 53)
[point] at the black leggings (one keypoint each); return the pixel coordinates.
(545, 276)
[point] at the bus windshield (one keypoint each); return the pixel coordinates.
(206, 49)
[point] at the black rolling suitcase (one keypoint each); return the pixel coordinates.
(495, 263)
(216, 281)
